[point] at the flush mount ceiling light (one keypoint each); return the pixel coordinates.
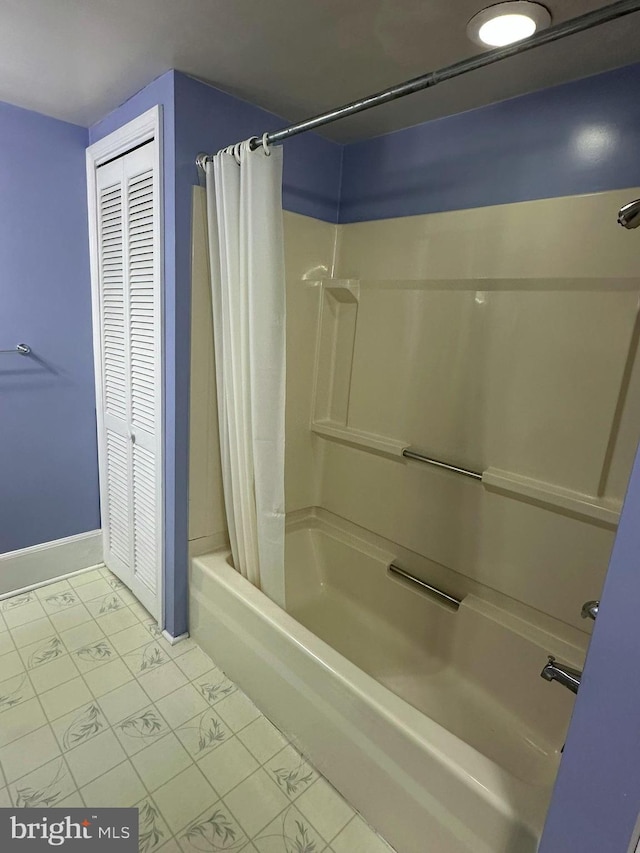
(505, 23)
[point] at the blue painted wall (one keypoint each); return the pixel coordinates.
(596, 800)
(576, 138)
(48, 455)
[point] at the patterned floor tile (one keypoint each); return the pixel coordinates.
(20, 720)
(47, 786)
(15, 690)
(62, 599)
(12, 665)
(161, 761)
(145, 658)
(79, 726)
(290, 831)
(256, 802)
(194, 663)
(154, 834)
(21, 610)
(52, 674)
(182, 705)
(237, 710)
(71, 617)
(94, 589)
(215, 829)
(44, 651)
(262, 739)
(141, 729)
(105, 604)
(159, 681)
(82, 635)
(228, 765)
(116, 621)
(45, 592)
(25, 754)
(98, 708)
(123, 702)
(203, 733)
(214, 686)
(24, 635)
(323, 806)
(106, 678)
(290, 772)
(132, 637)
(118, 788)
(94, 654)
(94, 757)
(6, 643)
(65, 698)
(186, 796)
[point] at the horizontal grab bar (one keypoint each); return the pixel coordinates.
(22, 349)
(444, 596)
(419, 457)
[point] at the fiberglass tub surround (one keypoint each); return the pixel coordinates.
(479, 338)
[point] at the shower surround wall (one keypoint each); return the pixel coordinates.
(525, 258)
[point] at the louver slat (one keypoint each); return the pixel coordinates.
(142, 311)
(119, 531)
(144, 517)
(113, 301)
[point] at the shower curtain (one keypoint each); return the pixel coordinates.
(246, 248)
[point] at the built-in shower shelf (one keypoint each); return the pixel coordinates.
(356, 438)
(548, 494)
(588, 507)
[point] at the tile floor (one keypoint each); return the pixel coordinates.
(97, 709)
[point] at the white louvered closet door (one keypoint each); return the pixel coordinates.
(129, 430)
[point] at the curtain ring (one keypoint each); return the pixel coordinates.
(265, 144)
(236, 152)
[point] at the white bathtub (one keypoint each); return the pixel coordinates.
(433, 723)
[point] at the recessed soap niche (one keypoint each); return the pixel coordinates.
(521, 380)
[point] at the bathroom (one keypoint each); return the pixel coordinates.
(451, 411)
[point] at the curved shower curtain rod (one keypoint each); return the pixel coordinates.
(432, 78)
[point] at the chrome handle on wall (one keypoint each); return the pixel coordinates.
(590, 609)
(21, 349)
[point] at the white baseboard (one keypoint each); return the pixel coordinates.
(31, 567)
(173, 640)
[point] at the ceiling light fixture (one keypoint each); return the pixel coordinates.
(505, 23)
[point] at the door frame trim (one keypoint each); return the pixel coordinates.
(147, 127)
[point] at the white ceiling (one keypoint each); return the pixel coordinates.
(78, 59)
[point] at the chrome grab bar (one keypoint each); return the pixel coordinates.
(438, 593)
(22, 349)
(408, 453)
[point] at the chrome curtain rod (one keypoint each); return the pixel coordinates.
(432, 78)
